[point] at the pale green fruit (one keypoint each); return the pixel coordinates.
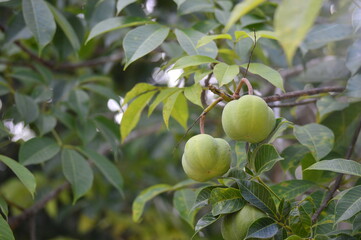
(206, 157)
(248, 119)
(235, 225)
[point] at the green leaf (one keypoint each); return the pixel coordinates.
(205, 221)
(192, 6)
(121, 4)
(262, 228)
(209, 38)
(353, 88)
(144, 197)
(203, 197)
(281, 125)
(225, 73)
(264, 158)
(132, 114)
(115, 23)
(300, 222)
(137, 90)
(189, 61)
(257, 195)
(327, 105)
(163, 94)
(77, 171)
(169, 104)
(292, 21)
(39, 20)
(349, 204)
(142, 40)
(240, 10)
(24, 175)
(193, 94)
(226, 200)
(27, 107)
(66, 27)
(37, 150)
(188, 40)
(5, 230)
(180, 111)
(318, 138)
(353, 60)
(4, 207)
(79, 101)
(107, 168)
(259, 34)
(291, 189)
(322, 34)
(267, 73)
(338, 165)
(183, 200)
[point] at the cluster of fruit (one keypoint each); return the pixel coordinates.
(246, 119)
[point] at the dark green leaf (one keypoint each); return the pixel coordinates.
(338, 165)
(77, 171)
(205, 221)
(290, 189)
(226, 200)
(202, 198)
(142, 40)
(79, 101)
(5, 230)
(349, 204)
(144, 197)
(317, 138)
(37, 150)
(39, 20)
(262, 228)
(264, 158)
(24, 175)
(27, 107)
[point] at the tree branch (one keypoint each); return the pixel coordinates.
(30, 212)
(292, 104)
(338, 179)
(300, 93)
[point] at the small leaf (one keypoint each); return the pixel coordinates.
(338, 165)
(45, 123)
(318, 138)
(142, 40)
(207, 39)
(66, 27)
(37, 150)
(203, 197)
(240, 10)
(163, 94)
(205, 221)
(292, 21)
(137, 90)
(24, 175)
(77, 171)
(193, 94)
(327, 105)
(225, 73)
(188, 40)
(292, 188)
(27, 107)
(115, 23)
(39, 20)
(262, 228)
(145, 196)
(192, 6)
(353, 88)
(267, 73)
(257, 195)
(79, 101)
(183, 200)
(349, 204)
(4, 207)
(353, 60)
(189, 61)
(121, 4)
(264, 158)
(168, 107)
(132, 114)
(180, 111)
(5, 230)
(226, 200)
(107, 168)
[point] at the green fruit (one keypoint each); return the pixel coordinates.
(235, 225)
(206, 157)
(248, 119)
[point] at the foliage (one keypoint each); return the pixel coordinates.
(76, 156)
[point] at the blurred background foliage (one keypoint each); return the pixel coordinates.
(64, 94)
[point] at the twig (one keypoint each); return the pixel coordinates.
(291, 104)
(251, 54)
(30, 212)
(338, 179)
(201, 123)
(300, 93)
(239, 87)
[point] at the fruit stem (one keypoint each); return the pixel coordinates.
(239, 87)
(268, 188)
